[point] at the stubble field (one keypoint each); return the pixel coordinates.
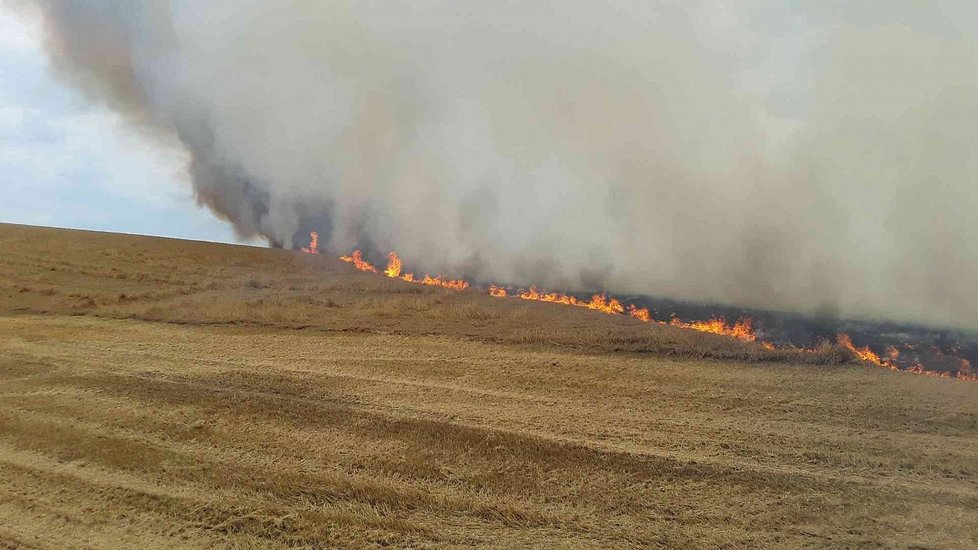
(159, 393)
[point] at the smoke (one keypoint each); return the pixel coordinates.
(812, 156)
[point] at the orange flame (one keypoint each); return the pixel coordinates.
(498, 292)
(743, 329)
(455, 284)
(598, 302)
(640, 314)
(393, 265)
(870, 356)
(863, 353)
(394, 269)
(536, 294)
(356, 258)
(601, 302)
(313, 244)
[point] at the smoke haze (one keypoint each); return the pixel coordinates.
(811, 156)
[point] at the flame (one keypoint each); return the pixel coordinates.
(870, 356)
(863, 353)
(742, 329)
(498, 292)
(536, 294)
(640, 314)
(608, 305)
(313, 243)
(393, 265)
(598, 302)
(455, 284)
(893, 354)
(393, 269)
(356, 258)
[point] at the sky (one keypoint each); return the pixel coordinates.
(66, 162)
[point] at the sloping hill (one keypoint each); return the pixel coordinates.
(164, 393)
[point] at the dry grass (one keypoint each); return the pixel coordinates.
(163, 393)
(117, 276)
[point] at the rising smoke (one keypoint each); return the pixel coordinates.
(814, 156)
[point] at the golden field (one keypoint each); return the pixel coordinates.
(160, 393)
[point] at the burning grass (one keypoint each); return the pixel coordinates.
(823, 352)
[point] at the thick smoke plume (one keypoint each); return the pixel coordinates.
(813, 156)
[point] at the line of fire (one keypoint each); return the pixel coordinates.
(930, 353)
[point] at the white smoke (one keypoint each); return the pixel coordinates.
(815, 156)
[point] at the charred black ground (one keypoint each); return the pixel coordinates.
(935, 349)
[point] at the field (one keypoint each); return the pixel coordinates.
(161, 393)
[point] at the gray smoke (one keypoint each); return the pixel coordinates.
(809, 155)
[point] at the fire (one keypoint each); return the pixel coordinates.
(393, 269)
(601, 302)
(393, 265)
(313, 243)
(893, 354)
(598, 302)
(870, 356)
(640, 314)
(863, 353)
(743, 329)
(356, 258)
(455, 284)
(498, 292)
(536, 294)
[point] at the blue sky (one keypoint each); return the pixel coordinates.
(67, 163)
